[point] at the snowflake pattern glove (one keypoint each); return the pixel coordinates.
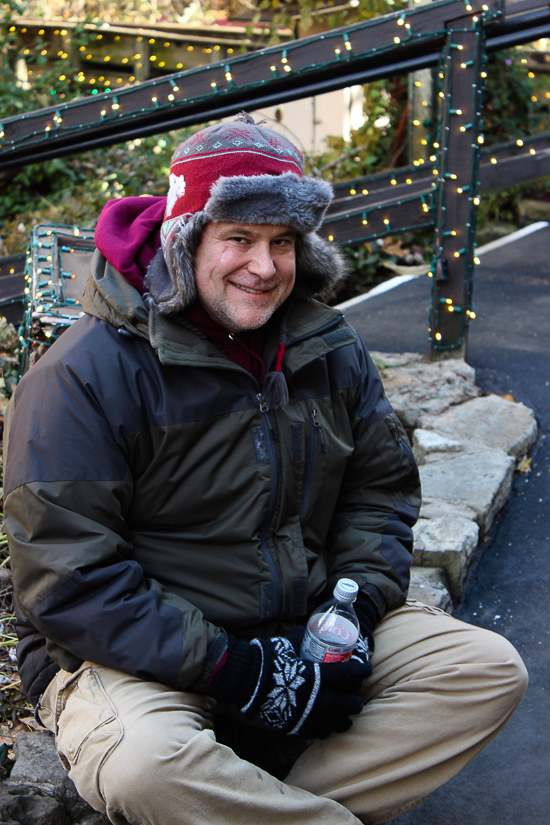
(362, 651)
(268, 681)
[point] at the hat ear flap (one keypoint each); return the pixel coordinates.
(319, 266)
(170, 279)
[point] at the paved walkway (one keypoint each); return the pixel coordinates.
(508, 591)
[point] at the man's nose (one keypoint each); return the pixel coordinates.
(261, 260)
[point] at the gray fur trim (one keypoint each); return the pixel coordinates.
(170, 282)
(319, 266)
(170, 279)
(283, 199)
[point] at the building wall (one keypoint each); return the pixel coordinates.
(310, 121)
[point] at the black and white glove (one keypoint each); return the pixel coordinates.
(267, 680)
(368, 619)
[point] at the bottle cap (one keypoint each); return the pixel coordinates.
(346, 590)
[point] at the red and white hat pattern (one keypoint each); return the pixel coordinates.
(226, 150)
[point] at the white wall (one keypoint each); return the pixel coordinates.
(308, 122)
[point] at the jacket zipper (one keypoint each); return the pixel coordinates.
(316, 437)
(404, 447)
(271, 437)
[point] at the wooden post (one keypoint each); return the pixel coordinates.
(460, 91)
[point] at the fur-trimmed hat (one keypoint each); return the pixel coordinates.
(244, 173)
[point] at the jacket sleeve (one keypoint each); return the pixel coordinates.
(67, 488)
(371, 538)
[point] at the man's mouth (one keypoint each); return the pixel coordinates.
(250, 289)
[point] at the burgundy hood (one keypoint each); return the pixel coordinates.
(128, 234)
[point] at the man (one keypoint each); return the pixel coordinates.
(191, 469)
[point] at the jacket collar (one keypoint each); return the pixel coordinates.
(311, 325)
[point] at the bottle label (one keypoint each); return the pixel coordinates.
(336, 646)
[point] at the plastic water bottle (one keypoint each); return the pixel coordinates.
(333, 629)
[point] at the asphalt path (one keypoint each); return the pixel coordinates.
(507, 590)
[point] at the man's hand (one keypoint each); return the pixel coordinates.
(362, 651)
(368, 618)
(268, 681)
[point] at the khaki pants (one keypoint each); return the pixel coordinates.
(146, 754)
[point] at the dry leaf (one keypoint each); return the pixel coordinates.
(525, 466)
(508, 397)
(28, 723)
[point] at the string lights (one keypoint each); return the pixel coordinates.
(52, 289)
(236, 73)
(278, 63)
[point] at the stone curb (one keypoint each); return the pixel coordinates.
(467, 447)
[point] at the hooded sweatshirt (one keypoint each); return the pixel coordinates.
(128, 234)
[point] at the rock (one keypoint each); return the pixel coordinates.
(428, 585)
(385, 360)
(417, 387)
(428, 442)
(531, 210)
(491, 421)
(37, 762)
(481, 481)
(446, 542)
(436, 507)
(92, 818)
(28, 805)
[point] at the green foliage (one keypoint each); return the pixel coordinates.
(500, 207)
(512, 105)
(515, 106)
(49, 82)
(371, 263)
(301, 15)
(73, 190)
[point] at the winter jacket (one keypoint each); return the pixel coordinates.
(153, 504)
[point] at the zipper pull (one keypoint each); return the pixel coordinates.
(265, 409)
(317, 425)
(396, 436)
(263, 406)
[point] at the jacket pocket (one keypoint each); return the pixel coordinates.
(316, 444)
(292, 559)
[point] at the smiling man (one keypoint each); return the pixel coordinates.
(191, 468)
(244, 273)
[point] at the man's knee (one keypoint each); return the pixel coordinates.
(502, 667)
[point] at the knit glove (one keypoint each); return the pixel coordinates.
(267, 680)
(368, 619)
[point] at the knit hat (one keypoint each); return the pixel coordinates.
(245, 173)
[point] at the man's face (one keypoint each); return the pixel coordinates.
(244, 272)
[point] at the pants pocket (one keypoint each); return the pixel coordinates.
(88, 730)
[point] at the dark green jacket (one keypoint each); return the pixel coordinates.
(153, 504)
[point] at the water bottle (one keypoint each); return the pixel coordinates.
(333, 629)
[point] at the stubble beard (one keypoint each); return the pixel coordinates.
(223, 311)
